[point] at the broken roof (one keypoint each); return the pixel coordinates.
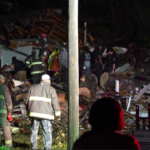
(31, 24)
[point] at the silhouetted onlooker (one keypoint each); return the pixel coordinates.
(106, 119)
(20, 69)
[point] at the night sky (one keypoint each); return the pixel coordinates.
(125, 19)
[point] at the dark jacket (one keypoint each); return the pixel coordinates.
(111, 141)
(36, 64)
(5, 100)
(43, 102)
(19, 65)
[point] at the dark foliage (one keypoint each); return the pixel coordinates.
(124, 19)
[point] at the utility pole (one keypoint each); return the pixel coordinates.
(73, 74)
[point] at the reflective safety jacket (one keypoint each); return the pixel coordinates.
(53, 63)
(42, 101)
(5, 100)
(36, 64)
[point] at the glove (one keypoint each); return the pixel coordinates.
(9, 117)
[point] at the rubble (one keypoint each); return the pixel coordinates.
(88, 93)
(128, 72)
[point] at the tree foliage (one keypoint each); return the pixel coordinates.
(118, 19)
(126, 19)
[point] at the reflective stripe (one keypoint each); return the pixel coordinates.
(3, 111)
(35, 63)
(27, 62)
(36, 72)
(1, 96)
(39, 115)
(8, 142)
(35, 98)
(57, 113)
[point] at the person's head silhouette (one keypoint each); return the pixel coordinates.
(106, 115)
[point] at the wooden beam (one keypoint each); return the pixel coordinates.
(42, 29)
(20, 32)
(52, 29)
(17, 35)
(60, 34)
(55, 17)
(44, 21)
(63, 30)
(58, 38)
(11, 35)
(36, 30)
(16, 51)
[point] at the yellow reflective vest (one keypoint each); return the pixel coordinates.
(53, 63)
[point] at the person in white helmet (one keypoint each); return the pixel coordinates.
(42, 101)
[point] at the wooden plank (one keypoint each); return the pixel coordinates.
(18, 27)
(45, 21)
(59, 25)
(48, 27)
(58, 34)
(42, 29)
(63, 30)
(36, 30)
(52, 29)
(17, 35)
(14, 50)
(58, 38)
(55, 17)
(10, 34)
(141, 93)
(20, 32)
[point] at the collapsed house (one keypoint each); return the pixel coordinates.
(24, 34)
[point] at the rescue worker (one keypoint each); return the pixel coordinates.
(2, 79)
(44, 57)
(42, 101)
(53, 63)
(87, 62)
(5, 111)
(20, 69)
(97, 62)
(110, 62)
(36, 65)
(63, 63)
(28, 70)
(106, 119)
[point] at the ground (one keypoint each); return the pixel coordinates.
(21, 141)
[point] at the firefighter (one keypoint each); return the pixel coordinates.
(2, 79)
(42, 101)
(5, 111)
(36, 65)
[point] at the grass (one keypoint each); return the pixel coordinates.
(22, 142)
